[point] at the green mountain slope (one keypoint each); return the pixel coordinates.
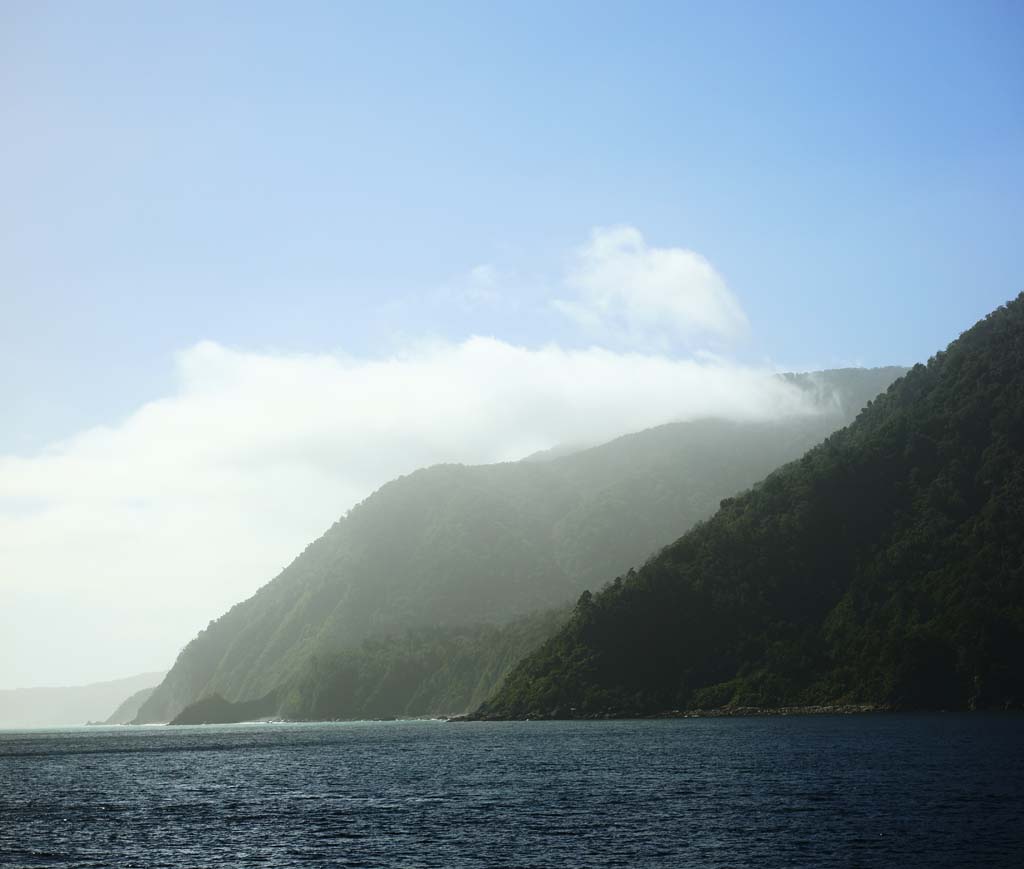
(422, 672)
(454, 546)
(885, 566)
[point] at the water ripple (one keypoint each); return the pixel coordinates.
(823, 791)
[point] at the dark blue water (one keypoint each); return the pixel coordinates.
(877, 790)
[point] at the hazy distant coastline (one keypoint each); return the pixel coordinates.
(71, 705)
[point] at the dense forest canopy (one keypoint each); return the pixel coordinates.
(885, 566)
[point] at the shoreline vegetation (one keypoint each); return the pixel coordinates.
(609, 715)
(719, 712)
(220, 712)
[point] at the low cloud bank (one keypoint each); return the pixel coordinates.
(118, 544)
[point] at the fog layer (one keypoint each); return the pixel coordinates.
(119, 543)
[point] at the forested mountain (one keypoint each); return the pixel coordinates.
(885, 566)
(453, 547)
(420, 672)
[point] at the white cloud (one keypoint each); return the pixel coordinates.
(632, 294)
(118, 544)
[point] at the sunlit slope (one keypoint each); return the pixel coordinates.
(416, 673)
(885, 566)
(454, 546)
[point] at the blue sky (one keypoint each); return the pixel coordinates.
(245, 247)
(273, 178)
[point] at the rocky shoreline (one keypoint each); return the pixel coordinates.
(720, 712)
(757, 711)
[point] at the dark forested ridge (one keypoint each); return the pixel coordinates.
(462, 549)
(885, 566)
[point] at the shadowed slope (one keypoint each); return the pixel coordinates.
(886, 566)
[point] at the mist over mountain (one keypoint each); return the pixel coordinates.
(885, 566)
(417, 673)
(54, 707)
(457, 548)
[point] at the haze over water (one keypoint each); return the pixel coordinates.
(875, 790)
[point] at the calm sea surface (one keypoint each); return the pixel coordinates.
(872, 790)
